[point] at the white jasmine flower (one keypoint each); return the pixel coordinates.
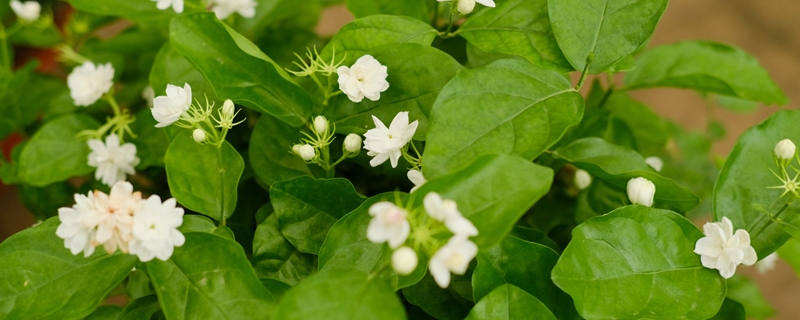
(366, 78)
(404, 260)
(87, 82)
(453, 257)
(352, 143)
(388, 224)
(168, 109)
(199, 135)
(466, 6)
(28, 10)
(582, 179)
(385, 143)
(113, 216)
(155, 233)
(767, 264)
(112, 160)
(641, 191)
(148, 94)
(225, 8)
(723, 250)
(416, 178)
(447, 211)
(77, 235)
(655, 162)
(785, 149)
(306, 151)
(176, 5)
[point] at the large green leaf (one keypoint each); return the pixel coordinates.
(417, 9)
(275, 258)
(519, 27)
(744, 179)
(44, 280)
(509, 302)
(341, 294)
(638, 262)
(237, 69)
(270, 152)
(649, 132)
(142, 308)
(730, 310)
(209, 277)
(416, 75)
(55, 153)
(708, 67)
(507, 107)
(440, 303)
(202, 178)
(602, 32)
(170, 67)
(307, 208)
(526, 266)
(617, 165)
(151, 142)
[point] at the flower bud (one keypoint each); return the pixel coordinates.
(655, 162)
(306, 151)
(352, 143)
(404, 260)
(296, 148)
(199, 135)
(641, 191)
(785, 149)
(227, 109)
(582, 179)
(466, 6)
(321, 125)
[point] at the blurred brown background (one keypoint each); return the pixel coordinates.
(766, 29)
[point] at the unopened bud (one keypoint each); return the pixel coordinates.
(352, 143)
(321, 125)
(655, 162)
(785, 149)
(404, 260)
(466, 6)
(227, 109)
(641, 191)
(582, 179)
(199, 135)
(307, 152)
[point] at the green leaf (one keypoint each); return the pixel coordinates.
(237, 69)
(524, 266)
(746, 292)
(507, 107)
(602, 32)
(617, 165)
(11, 88)
(41, 277)
(40, 35)
(203, 178)
(417, 9)
(276, 258)
(341, 294)
(307, 208)
(437, 302)
(107, 312)
(518, 27)
(707, 67)
(730, 310)
(40, 90)
(142, 308)
(648, 130)
(141, 11)
(151, 142)
(745, 177)
(209, 277)
(638, 262)
(493, 192)
(417, 74)
(54, 153)
(171, 67)
(509, 302)
(44, 202)
(271, 152)
(477, 58)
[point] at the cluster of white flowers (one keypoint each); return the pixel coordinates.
(390, 224)
(724, 250)
(641, 191)
(466, 6)
(168, 109)
(89, 82)
(121, 220)
(112, 160)
(27, 11)
(384, 143)
(366, 78)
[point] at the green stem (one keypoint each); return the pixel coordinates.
(585, 72)
(221, 170)
(450, 21)
(113, 102)
(326, 158)
(769, 222)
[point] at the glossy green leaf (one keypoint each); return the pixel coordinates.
(638, 262)
(307, 208)
(202, 178)
(209, 277)
(744, 179)
(417, 74)
(151, 142)
(341, 294)
(12, 87)
(477, 58)
(617, 165)
(275, 257)
(648, 130)
(270, 152)
(524, 266)
(237, 69)
(43, 202)
(602, 32)
(746, 292)
(40, 276)
(417, 9)
(508, 107)
(171, 67)
(437, 302)
(509, 302)
(142, 308)
(55, 153)
(518, 27)
(39, 92)
(708, 67)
